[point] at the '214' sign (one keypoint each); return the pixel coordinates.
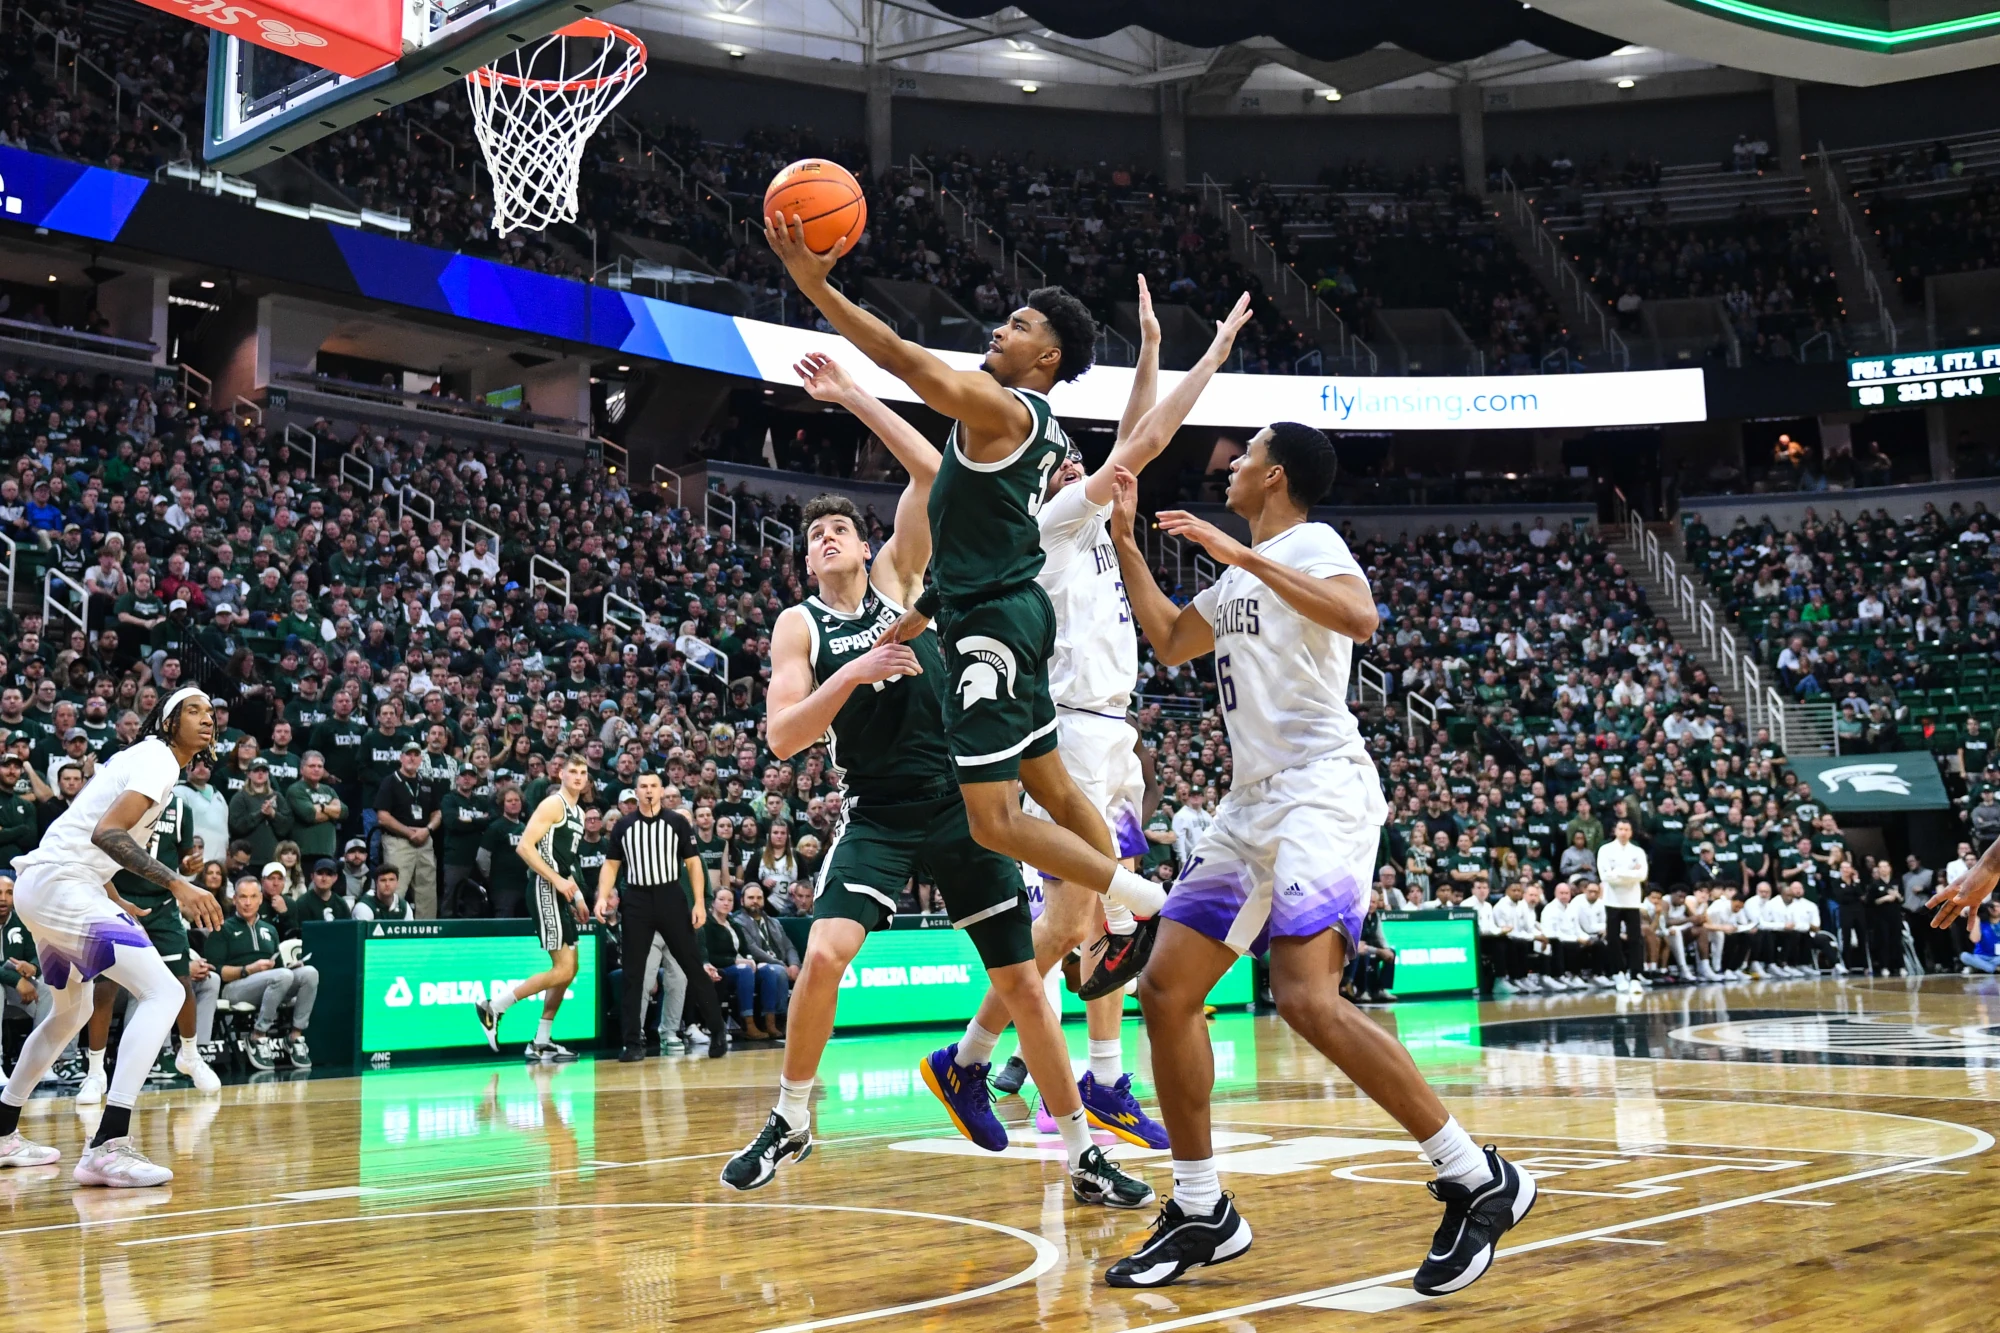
(351, 37)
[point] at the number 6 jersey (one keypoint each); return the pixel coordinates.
(1283, 679)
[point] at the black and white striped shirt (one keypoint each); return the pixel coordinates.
(651, 850)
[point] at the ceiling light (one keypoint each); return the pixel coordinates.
(1026, 88)
(1330, 94)
(623, 369)
(734, 18)
(736, 52)
(208, 284)
(52, 277)
(1628, 83)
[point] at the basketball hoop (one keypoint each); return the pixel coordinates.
(537, 106)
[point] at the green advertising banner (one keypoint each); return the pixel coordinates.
(417, 992)
(934, 976)
(1436, 952)
(1906, 780)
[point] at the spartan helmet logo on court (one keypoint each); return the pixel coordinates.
(992, 665)
(1866, 778)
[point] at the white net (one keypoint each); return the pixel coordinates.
(536, 107)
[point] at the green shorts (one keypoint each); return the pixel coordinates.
(168, 931)
(876, 850)
(997, 709)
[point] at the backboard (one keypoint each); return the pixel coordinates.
(263, 104)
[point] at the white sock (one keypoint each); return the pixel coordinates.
(1456, 1157)
(96, 1064)
(1134, 892)
(1052, 986)
(188, 1045)
(1118, 918)
(976, 1046)
(1076, 1135)
(1196, 1189)
(544, 1028)
(503, 999)
(795, 1101)
(1106, 1062)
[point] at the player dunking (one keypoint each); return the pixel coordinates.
(1091, 676)
(82, 935)
(995, 624)
(1288, 862)
(837, 673)
(549, 848)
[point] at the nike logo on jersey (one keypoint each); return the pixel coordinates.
(991, 666)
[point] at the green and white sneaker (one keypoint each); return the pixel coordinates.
(756, 1164)
(1095, 1180)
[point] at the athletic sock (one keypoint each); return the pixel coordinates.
(1106, 1060)
(1118, 919)
(543, 1029)
(795, 1101)
(976, 1046)
(96, 1064)
(1139, 895)
(503, 999)
(1457, 1158)
(1075, 1134)
(10, 1118)
(192, 1047)
(116, 1124)
(1196, 1189)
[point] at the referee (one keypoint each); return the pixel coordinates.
(655, 849)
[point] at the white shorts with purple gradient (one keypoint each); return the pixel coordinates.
(1289, 856)
(77, 927)
(1100, 753)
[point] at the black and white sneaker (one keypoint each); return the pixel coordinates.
(756, 1164)
(1094, 1179)
(1474, 1222)
(1180, 1244)
(1119, 959)
(547, 1053)
(1011, 1077)
(489, 1020)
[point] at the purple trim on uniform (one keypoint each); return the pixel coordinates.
(1334, 900)
(1208, 905)
(1125, 831)
(100, 951)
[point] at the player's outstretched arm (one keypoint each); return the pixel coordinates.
(970, 396)
(907, 553)
(799, 713)
(1341, 603)
(1139, 443)
(1146, 374)
(1963, 898)
(1177, 633)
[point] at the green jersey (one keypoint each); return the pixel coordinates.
(985, 539)
(173, 837)
(559, 845)
(887, 740)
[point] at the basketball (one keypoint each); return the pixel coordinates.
(824, 196)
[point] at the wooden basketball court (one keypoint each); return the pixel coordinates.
(1784, 1156)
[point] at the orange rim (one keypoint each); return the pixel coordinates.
(598, 28)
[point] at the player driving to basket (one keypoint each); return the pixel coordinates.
(995, 624)
(549, 848)
(61, 893)
(837, 674)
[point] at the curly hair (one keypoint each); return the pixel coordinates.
(1074, 328)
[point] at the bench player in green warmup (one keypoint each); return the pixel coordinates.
(837, 673)
(995, 623)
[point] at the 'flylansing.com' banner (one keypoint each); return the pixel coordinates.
(1371, 403)
(1852, 783)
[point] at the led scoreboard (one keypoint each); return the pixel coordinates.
(1904, 379)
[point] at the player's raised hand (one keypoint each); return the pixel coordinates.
(1124, 504)
(1228, 327)
(787, 238)
(888, 659)
(1225, 548)
(1963, 898)
(824, 378)
(1149, 323)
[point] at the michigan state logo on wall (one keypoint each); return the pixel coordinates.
(1902, 781)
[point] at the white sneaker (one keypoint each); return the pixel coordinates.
(17, 1151)
(1707, 972)
(1621, 983)
(188, 1061)
(1640, 984)
(118, 1165)
(1840, 969)
(91, 1091)
(1530, 983)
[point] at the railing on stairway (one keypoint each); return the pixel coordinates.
(1856, 248)
(1569, 278)
(1371, 683)
(1417, 709)
(1285, 277)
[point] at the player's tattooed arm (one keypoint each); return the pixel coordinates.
(122, 847)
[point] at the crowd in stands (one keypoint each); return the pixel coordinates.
(1928, 235)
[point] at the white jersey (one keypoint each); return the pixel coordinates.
(148, 767)
(1283, 679)
(1096, 659)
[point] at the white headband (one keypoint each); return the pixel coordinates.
(179, 697)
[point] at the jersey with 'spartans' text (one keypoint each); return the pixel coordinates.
(887, 740)
(1283, 679)
(148, 768)
(172, 837)
(984, 538)
(1097, 645)
(559, 846)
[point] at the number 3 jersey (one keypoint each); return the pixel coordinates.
(1096, 660)
(985, 542)
(1283, 679)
